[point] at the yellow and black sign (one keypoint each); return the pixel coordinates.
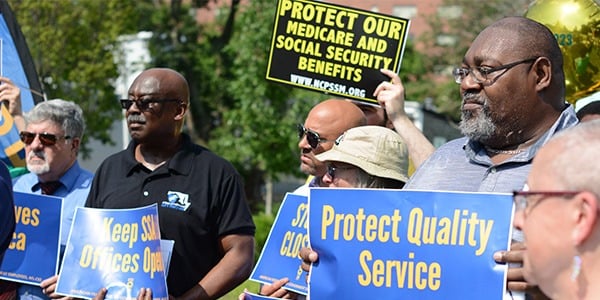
(334, 49)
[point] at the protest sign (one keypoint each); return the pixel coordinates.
(279, 257)
(400, 244)
(33, 253)
(118, 249)
(252, 296)
(334, 49)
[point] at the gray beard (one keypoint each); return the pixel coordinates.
(477, 127)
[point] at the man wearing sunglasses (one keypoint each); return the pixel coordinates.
(52, 137)
(200, 198)
(325, 122)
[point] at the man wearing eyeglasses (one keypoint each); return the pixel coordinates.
(52, 137)
(325, 122)
(559, 214)
(513, 90)
(200, 198)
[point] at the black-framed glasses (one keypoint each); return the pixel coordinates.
(481, 74)
(143, 104)
(46, 139)
(331, 170)
(312, 137)
(522, 198)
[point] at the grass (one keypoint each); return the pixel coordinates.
(252, 286)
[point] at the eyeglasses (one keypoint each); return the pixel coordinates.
(312, 137)
(521, 201)
(143, 104)
(47, 139)
(331, 170)
(481, 74)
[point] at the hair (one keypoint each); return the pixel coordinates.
(576, 166)
(64, 113)
(366, 180)
(535, 39)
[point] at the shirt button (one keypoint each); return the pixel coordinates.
(146, 193)
(493, 170)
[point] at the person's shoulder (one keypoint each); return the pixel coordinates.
(452, 146)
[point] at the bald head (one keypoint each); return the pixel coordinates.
(532, 39)
(337, 115)
(329, 119)
(167, 82)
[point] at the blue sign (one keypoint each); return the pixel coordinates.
(400, 244)
(119, 249)
(279, 257)
(33, 253)
(252, 296)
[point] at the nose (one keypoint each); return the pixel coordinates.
(519, 220)
(36, 143)
(468, 82)
(303, 145)
(327, 179)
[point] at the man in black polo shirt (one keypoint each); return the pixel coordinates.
(200, 198)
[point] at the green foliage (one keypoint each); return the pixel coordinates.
(263, 224)
(73, 45)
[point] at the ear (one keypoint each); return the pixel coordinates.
(75, 143)
(180, 111)
(586, 213)
(542, 69)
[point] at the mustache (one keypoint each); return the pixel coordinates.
(38, 154)
(472, 98)
(136, 118)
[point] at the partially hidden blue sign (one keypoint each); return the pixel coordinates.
(118, 249)
(33, 253)
(279, 257)
(390, 244)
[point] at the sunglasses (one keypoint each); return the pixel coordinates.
(47, 139)
(331, 170)
(143, 104)
(312, 137)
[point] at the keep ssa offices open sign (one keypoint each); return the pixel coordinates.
(334, 49)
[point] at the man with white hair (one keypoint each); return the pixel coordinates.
(52, 138)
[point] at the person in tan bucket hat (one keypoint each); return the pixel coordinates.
(367, 157)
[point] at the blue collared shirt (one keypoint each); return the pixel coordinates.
(464, 165)
(76, 183)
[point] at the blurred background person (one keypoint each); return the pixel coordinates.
(559, 214)
(588, 108)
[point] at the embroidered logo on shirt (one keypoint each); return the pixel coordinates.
(177, 200)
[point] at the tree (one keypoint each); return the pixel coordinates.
(73, 46)
(451, 34)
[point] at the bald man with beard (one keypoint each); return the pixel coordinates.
(201, 202)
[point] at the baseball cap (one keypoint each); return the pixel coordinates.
(377, 150)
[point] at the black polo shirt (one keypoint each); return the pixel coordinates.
(200, 198)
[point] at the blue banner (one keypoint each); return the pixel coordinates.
(398, 244)
(279, 257)
(33, 254)
(15, 63)
(118, 249)
(252, 296)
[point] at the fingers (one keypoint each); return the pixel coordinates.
(308, 257)
(512, 256)
(100, 294)
(48, 285)
(144, 294)
(272, 289)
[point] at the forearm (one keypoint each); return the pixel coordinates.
(233, 269)
(419, 147)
